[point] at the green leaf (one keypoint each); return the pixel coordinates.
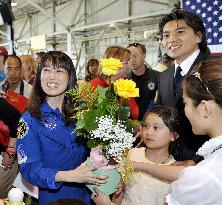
(92, 143)
(124, 113)
(87, 121)
(101, 94)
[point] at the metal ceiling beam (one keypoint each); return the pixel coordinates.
(3, 33)
(96, 12)
(44, 11)
(73, 18)
(157, 2)
(23, 27)
(151, 14)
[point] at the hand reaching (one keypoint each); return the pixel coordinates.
(6, 161)
(117, 196)
(82, 174)
(100, 198)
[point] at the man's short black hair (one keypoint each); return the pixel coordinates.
(191, 19)
(15, 56)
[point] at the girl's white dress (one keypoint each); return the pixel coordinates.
(145, 189)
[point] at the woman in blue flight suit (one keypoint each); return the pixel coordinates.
(49, 152)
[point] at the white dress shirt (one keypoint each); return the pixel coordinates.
(187, 63)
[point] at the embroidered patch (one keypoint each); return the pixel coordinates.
(22, 158)
(50, 124)
(22, 129)
(151, 85)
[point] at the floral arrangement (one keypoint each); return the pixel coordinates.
(102, 114)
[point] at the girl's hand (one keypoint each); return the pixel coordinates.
(117, 196)
(82, 174)
(100, 198)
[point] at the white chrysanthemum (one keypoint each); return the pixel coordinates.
(115, 134)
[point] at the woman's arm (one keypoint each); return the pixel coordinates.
(81, 174)
(165, 172)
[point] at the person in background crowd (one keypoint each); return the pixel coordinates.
(13, 81)
(49, 152)
(161, 130)
(28, 68)
(9, 118)
(92, 68)
(123, 54)
(3, 56)
(165, 62)
(39, 56)
(200, 184)
(184, 39)
(145, 78)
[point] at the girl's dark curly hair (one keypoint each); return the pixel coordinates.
(57, 59)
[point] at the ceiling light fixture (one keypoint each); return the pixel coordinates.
(14, 4)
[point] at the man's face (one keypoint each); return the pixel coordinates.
(137, 57)
(13, 70)
(179, 40)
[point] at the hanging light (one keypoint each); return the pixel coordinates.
(13, 4)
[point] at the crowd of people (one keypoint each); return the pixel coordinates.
(177, 158)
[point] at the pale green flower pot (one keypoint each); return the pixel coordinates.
(112, 182)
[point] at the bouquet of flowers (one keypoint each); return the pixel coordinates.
(103, 118)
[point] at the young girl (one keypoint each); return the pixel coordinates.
(160, 132)
(49, 152)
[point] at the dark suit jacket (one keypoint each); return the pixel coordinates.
(191, 143)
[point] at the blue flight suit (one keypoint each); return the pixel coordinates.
(47, 146)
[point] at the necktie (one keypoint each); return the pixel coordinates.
(177, 78)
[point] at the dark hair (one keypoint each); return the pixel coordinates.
(90, 63)
(191, 20)
(57, 59)
(171, 119)
(141, 46)
(67, 202)
(40, 54)
(205, 82)
(14, 56)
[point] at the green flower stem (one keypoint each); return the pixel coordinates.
(109, 82)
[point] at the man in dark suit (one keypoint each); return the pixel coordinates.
(183, 38)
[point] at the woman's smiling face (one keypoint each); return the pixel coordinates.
(54, 81)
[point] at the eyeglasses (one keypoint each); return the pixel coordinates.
(196, 74)
(138, 45)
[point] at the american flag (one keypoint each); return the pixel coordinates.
(210, 12)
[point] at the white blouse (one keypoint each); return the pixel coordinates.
(200, 184)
